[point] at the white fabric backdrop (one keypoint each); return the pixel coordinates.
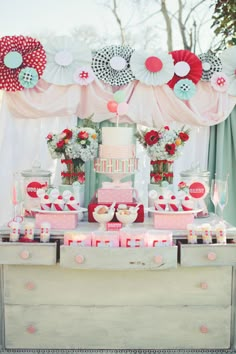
(22, 141)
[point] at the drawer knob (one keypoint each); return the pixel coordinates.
(30, 285)
(25, 254)
(203, 285)
(79, 259)
(211, 256)
(158, 259)
(204, 329)
(31, 329)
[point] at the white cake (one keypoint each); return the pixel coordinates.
(117, 151)
(117, 136)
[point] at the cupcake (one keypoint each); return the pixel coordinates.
(45, 202)
(187, 204)
(72, 204)
(59, 203)
(173, 203)
(160, 203)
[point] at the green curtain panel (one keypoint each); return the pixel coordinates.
(222, 160)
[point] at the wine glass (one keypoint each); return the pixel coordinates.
(219, 194)
(222, 187)
(214, 194)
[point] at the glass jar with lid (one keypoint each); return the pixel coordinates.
(34, 179)
(195, 182)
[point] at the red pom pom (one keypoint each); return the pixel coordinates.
(161, 197)
(186, 198)
(60, 197)
(72, 198)
(173, 197)
(46, 196)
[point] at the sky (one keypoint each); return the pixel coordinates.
(59, 16)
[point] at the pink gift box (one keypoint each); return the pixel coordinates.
(76, 238)
(155, 238)
(57, 220)
(132, 238)
(172, 220)
(120, 195)
(105, 239)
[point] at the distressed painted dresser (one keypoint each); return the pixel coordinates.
(59, 297)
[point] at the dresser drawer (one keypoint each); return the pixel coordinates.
(27, 253)
(208, 255)
(57, 285)
(118, 258)
(125, 327)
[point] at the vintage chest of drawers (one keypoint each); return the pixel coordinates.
(159, 298)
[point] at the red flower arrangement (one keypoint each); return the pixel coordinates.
(163, 147)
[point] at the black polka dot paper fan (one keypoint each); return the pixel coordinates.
(111, 64)
(210, 65)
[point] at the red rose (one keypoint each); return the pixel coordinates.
(49, 136)
(183, 136)
(60, 144)
(151, 137)
(181, 185)
(68, 133)
(170, 148)
(83, 135)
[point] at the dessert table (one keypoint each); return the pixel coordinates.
(173, 299)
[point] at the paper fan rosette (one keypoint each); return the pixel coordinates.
(186, 66)
(220, 82)
(152, 69)
(185, 89)
(20, 56)
(210, 65)
(64, 56)
(228, 59)
(111, 64)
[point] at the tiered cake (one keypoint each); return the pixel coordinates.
(116, 160)
(116, 153)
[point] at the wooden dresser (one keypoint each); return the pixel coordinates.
(60, 297)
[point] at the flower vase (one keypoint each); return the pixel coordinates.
(161, 170)
(74, 172)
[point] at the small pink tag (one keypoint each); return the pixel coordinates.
(114, 226)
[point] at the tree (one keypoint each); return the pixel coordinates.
(224, 21)
(183, 21)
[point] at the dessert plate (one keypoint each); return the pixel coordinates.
(80, 210)
(168, 212)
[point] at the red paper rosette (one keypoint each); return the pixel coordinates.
(17, 53)
(186, 66)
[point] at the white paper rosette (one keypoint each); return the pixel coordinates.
(152, 69)
(220, 82)
(84, 76)
(111, 64)
(228, 59)
(64, 56)
(210, 65)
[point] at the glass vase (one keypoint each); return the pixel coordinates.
(74, 171)
(161, 170)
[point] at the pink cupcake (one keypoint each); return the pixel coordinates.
(187, 204)
(45, 202)
(59, 203)
(72, 204)
(173, 203)
(160, 203)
